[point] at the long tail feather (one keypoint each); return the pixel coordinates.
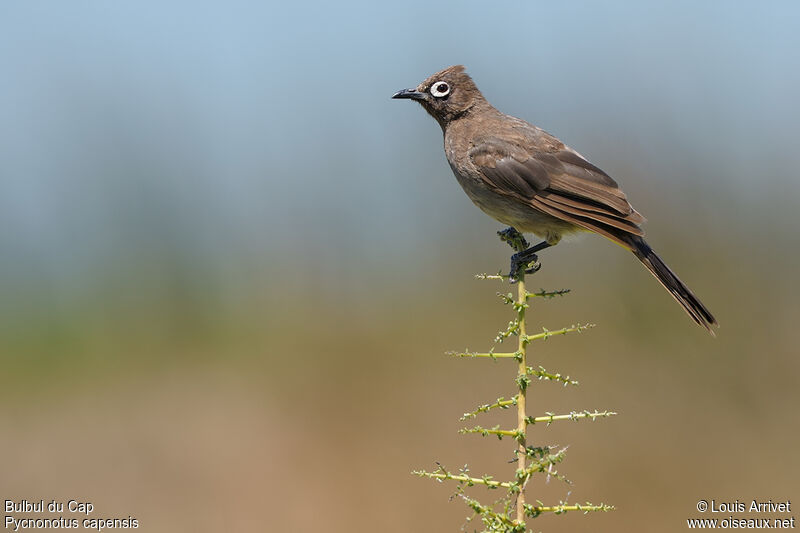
(690, 303)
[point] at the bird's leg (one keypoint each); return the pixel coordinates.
(521, 261)
(513, 238)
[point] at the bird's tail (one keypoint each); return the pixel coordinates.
(690, 303)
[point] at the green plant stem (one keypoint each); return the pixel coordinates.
(492, 355)
(465, 479)
(546, 334)
(508, 514)
(500, 403)
(514, 433)
(522, 417)
(572, 416)
(534, 511)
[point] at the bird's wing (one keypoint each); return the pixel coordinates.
(558, 182)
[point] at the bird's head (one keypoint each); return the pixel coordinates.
(447, 95)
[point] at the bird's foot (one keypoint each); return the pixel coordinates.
(522, 263)
(525, 260)
(514, 239)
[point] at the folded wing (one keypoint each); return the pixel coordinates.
(559, 182)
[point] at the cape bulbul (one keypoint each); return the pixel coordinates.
(524, 177)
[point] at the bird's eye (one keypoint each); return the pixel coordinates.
(440, 89)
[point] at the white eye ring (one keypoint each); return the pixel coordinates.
(440, 89)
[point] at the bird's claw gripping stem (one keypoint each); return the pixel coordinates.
(525, 260)
(522, 262)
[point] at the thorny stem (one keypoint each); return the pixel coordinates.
(491, 355)
(548, 419)
(529, 460)
(535, 511)
(522, 417)
(464, 479)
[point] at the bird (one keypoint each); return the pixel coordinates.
(529, 180)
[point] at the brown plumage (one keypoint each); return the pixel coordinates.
(524, 177)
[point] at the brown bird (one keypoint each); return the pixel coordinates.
(524, 177)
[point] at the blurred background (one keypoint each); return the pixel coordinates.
(231, 265)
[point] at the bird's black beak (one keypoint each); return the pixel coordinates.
(412, 94)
